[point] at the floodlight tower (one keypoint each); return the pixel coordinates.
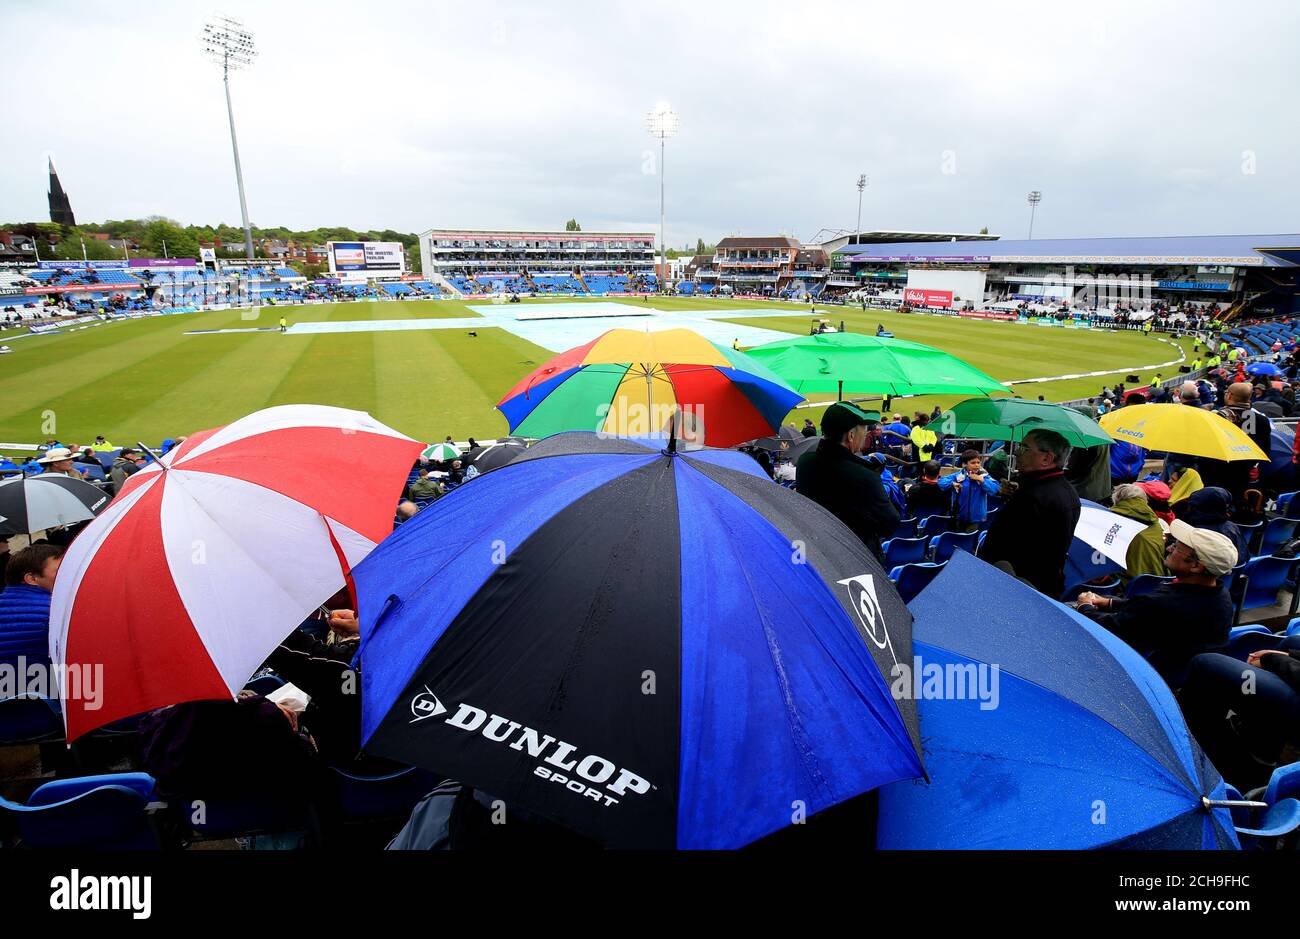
(862, 185)
(230, 45)
(1035, 197)
(662, 122)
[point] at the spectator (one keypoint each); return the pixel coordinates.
(1033, 531)
(406, 511)
(1243, 713)
(1211, 508)
(124, 465)
(926, 497)
(1237, 476)
(455, 475)
(1126, 462)
(971, 488)
(1146, 552)
(426, 488)
(25, 603)
(1180, 619)
(809, 429)
(832, 476)
(58, 462)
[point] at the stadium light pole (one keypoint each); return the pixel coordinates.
(862, 185)
(230, 45)
(1035, 197)
(662, 122)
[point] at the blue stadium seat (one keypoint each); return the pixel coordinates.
(1265, 576)
(106, 813)
(899, 551)
(933, 525)
(1287, 507)
(1251, 532)
(944, 544)
(222, 818)
(1102, 590)
(27, 720)
(1243, 640)
(1277, 532)
(1143, 584)
(906, 528)
(911, 579)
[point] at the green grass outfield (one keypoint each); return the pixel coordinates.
(145, 380)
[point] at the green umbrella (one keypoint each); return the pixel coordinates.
(441, 452)
(850, 362)
(1012, 418)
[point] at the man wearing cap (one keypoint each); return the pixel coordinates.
(1183, 618)
(834, 477)
(124, 465)
(1033, 530)
(58, 462)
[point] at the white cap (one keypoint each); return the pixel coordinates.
(1216, 552)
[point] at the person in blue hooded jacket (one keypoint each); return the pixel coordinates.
(25, 603)
(972, 487)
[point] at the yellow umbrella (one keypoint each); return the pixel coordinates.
(1178, 428)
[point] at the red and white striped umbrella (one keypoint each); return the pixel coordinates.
(205, 562)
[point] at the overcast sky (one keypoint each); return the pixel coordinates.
(1132, 118)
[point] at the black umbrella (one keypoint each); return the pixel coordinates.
(799, 449)
(654, 649)
(34, 503)
(783, 440)
(496, 456)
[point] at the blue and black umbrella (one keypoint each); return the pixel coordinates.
(653, 649)
(1042, 730)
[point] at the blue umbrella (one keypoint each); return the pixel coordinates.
(1072, 741)
(655, 649)
(1263, 368)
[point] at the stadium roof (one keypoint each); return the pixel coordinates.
(890, 237)
(740, 241)
(1239, 250)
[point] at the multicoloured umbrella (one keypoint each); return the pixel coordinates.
(208, 558)
(857, 364)
(620, 638)
(1263, 368)
(1011, 418)
(637, 384)
(1042, 730)
(1177, 428)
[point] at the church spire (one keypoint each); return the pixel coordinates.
(60, 207)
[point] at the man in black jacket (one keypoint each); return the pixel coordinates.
(834, 477)
(1236, 475)
(1033, 530)
(1181, 619)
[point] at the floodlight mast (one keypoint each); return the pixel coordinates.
(230, 45)
(662, 122)
(1035, 197)
(862, 185)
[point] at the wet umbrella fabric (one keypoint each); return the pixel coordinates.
(1080, 744)
(654, 650)
(34, 503)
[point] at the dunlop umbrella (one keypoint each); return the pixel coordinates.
(621, 639)
(34, 503)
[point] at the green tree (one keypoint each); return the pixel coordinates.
(572, 225)
(69, 247)
(699, 246)
(413, 262)
(984, 230)
(179, 242)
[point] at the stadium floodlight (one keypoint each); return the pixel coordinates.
(862, 185)
(662, 122)
(1035, 197)
(230, 45)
